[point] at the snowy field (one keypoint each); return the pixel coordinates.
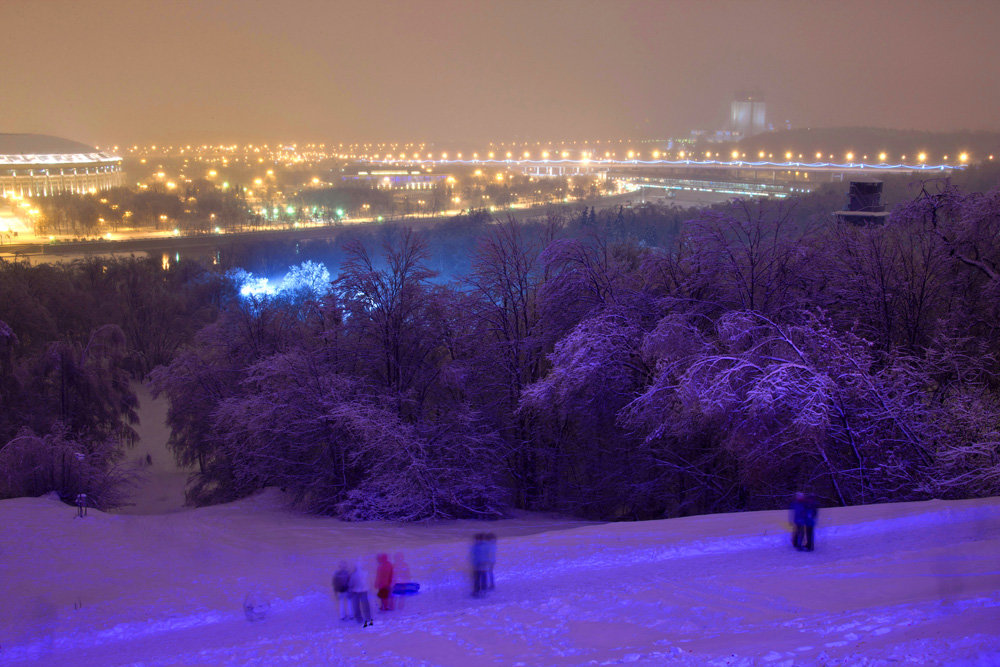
(914, 583)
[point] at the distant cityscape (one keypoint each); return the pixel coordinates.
(176, 190)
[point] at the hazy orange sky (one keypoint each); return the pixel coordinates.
(140, 71)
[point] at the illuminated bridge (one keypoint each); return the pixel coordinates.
(739, 168)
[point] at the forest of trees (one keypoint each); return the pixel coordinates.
(197, 208)
(617, 365)
(72, 339)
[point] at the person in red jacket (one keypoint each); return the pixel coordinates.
(383, 582)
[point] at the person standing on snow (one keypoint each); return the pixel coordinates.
(341, 586)
(491, 559)
(804, 511)
(383, 582)
(401, 575)
(359, 595)
(479, 555)
(81, 505)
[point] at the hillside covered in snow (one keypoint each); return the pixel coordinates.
(911, 583)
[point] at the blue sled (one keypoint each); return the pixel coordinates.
(408, 588)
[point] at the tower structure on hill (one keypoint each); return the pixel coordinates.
(864, 204)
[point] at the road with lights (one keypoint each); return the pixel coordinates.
(600, 164)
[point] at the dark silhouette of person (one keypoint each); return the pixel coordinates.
(804, 511)
(479, 555)
(81, 505)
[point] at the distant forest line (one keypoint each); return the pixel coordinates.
(622, 364)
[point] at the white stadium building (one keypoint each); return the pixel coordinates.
(37, 165)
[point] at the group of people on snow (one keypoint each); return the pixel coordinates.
(351, 587)
(391, 579)
(350, 582)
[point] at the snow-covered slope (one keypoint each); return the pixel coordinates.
(917, 582)
(160, 481)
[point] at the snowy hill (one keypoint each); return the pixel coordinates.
(913, 582)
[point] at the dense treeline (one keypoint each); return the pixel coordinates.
(616, 364)
(574, 368)
(72, 338)
(198, 207)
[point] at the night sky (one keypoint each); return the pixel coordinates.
(228, 71)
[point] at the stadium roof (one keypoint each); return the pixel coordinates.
(40, 149)
(40, 144)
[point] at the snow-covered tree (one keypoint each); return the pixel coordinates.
(592, 466)
(793, 406)
(73, 409)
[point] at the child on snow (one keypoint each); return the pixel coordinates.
(402, 586)
(341, 586)
(383, 582)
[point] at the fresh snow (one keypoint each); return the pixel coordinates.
(159, 480)
(915, 583)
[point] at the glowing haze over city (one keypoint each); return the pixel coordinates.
(108, 72)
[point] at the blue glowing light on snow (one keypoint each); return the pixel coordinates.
(308, 279)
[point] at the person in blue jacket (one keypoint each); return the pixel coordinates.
(803, 513)
(479, 555)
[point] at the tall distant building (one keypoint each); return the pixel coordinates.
(748, 114)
